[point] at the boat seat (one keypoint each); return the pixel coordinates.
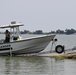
(15, 38)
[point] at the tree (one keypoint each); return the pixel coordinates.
(38, 32)
(25, 32)
(53, 32)
(70, 31)
(59, 31)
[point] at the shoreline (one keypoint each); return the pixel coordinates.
(66, 56)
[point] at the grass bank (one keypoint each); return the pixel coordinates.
(66, 56)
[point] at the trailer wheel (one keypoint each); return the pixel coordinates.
(59, 49)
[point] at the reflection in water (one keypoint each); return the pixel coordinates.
(26, 65)
(32, 66)
(57, 67)
(11, 66)
(36, 66)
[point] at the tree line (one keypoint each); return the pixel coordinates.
(59, 31)
(67, 31)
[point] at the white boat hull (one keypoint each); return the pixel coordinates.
(27, 46)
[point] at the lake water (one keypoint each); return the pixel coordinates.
(34, 65)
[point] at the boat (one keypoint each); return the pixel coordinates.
(19, 45)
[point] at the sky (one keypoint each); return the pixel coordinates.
(45, 15)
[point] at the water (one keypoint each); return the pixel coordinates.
(33, 65)
(36, 66)
(68, 40)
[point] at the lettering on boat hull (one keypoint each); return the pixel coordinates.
(5, 47)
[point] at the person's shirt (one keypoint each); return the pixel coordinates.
(8, 34)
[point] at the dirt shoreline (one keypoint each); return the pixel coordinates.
(67, 56)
